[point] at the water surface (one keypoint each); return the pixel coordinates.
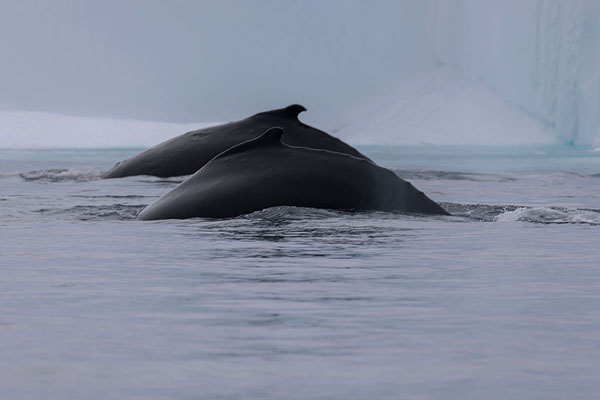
(501, 300)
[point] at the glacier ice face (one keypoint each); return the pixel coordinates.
(510, 72)
(442, 106)
(486, 71)
(30, 129)
(541, 55)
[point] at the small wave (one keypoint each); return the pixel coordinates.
(546, 215)
(111, 196)
(428, 175)
(61, 175)
(448, 175)
(512, 213)
(162, 181)
(478, 212)
(568, 175)
(292, 213)
(117, 212)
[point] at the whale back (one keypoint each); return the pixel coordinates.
(266, 172)
(187, 153)
(292, 111)
(271, 137)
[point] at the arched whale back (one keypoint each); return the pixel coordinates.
(292, 111)
(271, 137)
(266, 172)
(187, 153)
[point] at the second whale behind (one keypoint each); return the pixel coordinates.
(187, 153)
(265, 172)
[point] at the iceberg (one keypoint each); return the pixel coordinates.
(541, 55)
(411, 71)
(29, 129)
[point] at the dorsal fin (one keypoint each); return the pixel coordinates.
(291, 111)
(271, 137)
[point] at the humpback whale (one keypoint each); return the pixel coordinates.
(187, 153)
(266, 172)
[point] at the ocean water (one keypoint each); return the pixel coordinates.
(499, 301)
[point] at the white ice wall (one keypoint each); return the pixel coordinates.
(399, 71)
(541, 55)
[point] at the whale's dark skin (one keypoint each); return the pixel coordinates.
(264, 172)
(187, 153)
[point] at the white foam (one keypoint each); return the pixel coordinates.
(550, 216)
(26, 129)
(62, 175)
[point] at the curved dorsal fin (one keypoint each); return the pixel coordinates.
(291, 111)
(271, 137)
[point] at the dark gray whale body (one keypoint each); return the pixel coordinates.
(265, 172)
(187, 153)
